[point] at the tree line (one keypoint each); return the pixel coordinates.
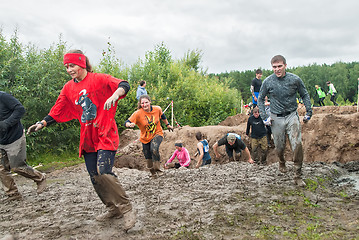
(344, 76)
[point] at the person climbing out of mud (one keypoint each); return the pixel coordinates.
(182, 155)
(284, 117)
(258, 137)
(202, 151)
(92, 98)
(233, 142)
(13, 148)
(147, 117)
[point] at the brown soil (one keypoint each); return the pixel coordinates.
(330, 136)
(234, 200)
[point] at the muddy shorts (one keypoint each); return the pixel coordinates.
(206, 162)
(13, 155)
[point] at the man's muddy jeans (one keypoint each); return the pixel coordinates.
(289, 125)
(13, 157)
(107, 186)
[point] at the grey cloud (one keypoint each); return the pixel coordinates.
(233, 35)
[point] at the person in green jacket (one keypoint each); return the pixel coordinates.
(321, 95)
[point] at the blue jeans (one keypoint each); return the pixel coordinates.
(99, 163)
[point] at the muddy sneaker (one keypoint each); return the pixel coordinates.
(109, 215)
(282, 168)
(41, 186)
(299, 182)
(157, 170)
(129, 219)
(13, 197)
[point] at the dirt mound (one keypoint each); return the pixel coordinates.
(330, 136)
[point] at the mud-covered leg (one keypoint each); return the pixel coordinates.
(255, 152)
(279, 137)
(7, 180)
(295, 139)
(155, 150)
(264, 149)
(150, 167)
(298, 162)
(113, 195)
(16, 154)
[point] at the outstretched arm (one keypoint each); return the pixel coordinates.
(246, 151)
(215, 149)
(36, 127)
(111, 101)
(201, 153)
(122, 90)
(164, 119)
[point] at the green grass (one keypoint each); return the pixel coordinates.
(51, 162)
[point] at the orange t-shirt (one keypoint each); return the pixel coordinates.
(148, 122)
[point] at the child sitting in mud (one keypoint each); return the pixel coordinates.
(182, 155)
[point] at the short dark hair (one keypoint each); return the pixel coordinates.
(328, 82)
(199, 136)
(278, 58)
(142, 82)
(259, 71)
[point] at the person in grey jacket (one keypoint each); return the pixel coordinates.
(141, 89)
(13, 148)
(282, 88)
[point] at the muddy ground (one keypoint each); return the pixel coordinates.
(226, 200)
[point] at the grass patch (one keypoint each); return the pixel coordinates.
(51, 162)
(186, 234)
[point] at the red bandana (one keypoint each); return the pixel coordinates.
(75, 58)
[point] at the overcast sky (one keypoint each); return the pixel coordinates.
(233, 35)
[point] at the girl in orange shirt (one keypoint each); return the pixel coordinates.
(147, 118)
